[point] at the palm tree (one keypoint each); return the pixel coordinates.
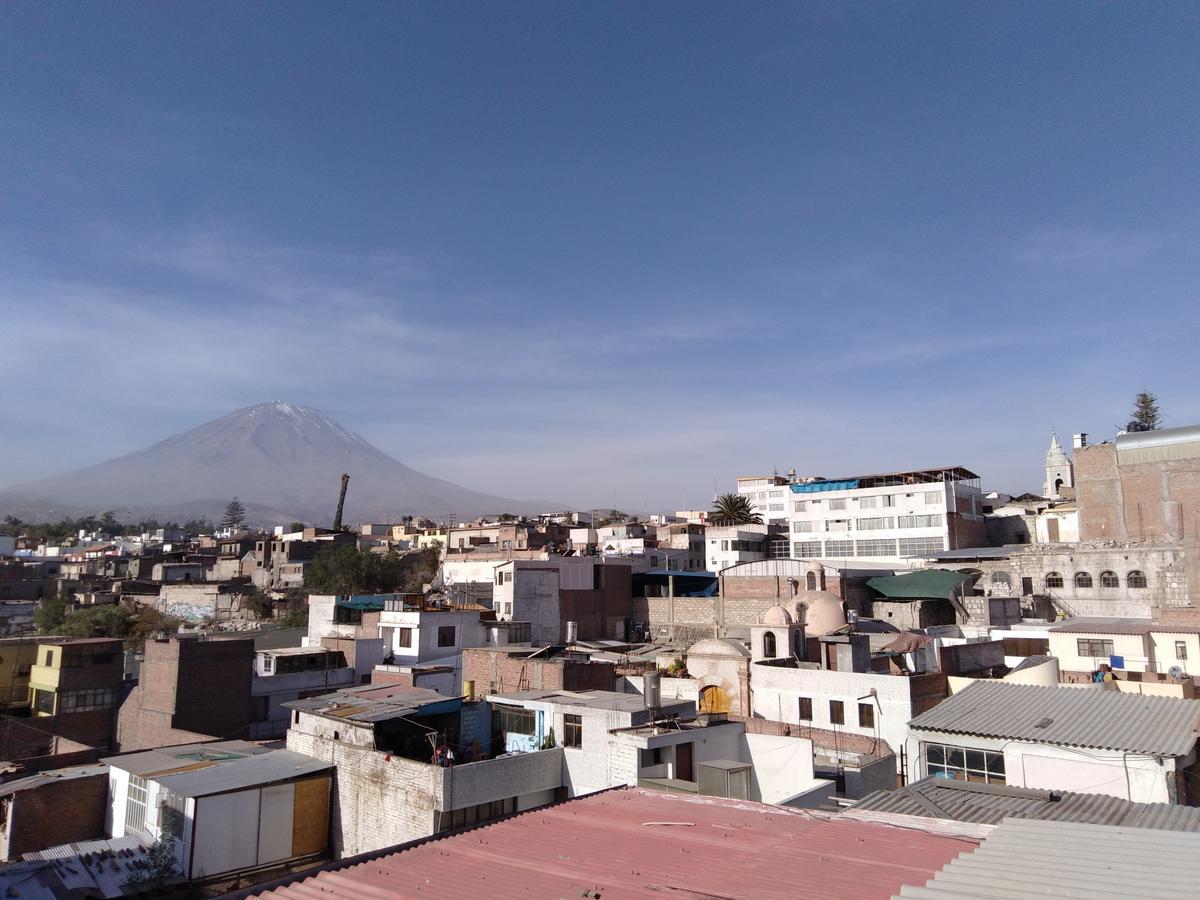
(733, 509)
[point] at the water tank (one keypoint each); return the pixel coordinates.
(572, 632)
(652, 688)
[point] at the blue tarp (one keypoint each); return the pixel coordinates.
(818, 486)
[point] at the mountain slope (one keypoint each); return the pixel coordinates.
(283, 461)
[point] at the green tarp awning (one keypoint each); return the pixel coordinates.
(931, 584)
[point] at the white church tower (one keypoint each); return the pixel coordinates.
(1059, 471)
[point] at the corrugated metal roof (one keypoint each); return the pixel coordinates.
(100, 868)
(990, 804)
(165, 759)
(1105, 625)
(1025, 857)
(50, 776)
(1077, 717)
(248, 771)
(640, 843)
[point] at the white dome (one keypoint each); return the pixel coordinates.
(820, 611)
(719, 647)
(777, 615)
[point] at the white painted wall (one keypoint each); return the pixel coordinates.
(468, 632)
(776, 693)
(1084, 770)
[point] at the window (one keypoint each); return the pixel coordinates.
(774, 495)
(1002, 578)
(1109, 580)
(866, 715)
(837, 712)
(85, 701)
(962, 764)
(446, 635)
(171, 813)
(1094, 647)
(887, 500)
(1054, 579)
(769, 645)
(802, 526)
(515, 720)
(934, 521)
(878, 547)
(875, 523)
(839, 548)
(866, 502)
(810, 581)
(1135, 579)
(404, 637)
(934, 497)
(268, 664)
(724, 545)
(43, 701)
(921, 546)
(49, 657)
(1083, 579)
(572, 731)
(837, 504)
(135, 805)
(804, 549)
(799, 506)
(777, 507)
(806, 709)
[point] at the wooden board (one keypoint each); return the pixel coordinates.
(310, 816)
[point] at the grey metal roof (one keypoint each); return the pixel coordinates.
(970, 553)
(1027, 858)
(249, 771)
(990, 804)
(371, 703)
(1078, 717)
(197, 770)
(1106, 625)
(51, 776)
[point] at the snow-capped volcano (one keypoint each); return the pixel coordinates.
(284, 461)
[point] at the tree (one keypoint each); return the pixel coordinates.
(1145, 414)
(50, 615)
(235, 514)
(296, 526)
(733, 509)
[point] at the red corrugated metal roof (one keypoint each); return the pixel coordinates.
(615, 845)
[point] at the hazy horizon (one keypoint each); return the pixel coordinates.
(612, 254)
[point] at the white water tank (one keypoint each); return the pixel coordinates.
(652, 690)
(572, 632)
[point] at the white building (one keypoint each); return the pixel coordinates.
(728, 545)
(1060, 473)
(768, 495)
(229, 806)
(549, 593)
(611, 739)
(886, 517)
(1088, 740)
(289, 673)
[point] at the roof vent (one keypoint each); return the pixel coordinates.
(1044, 723)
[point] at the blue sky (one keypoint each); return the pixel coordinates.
(600, 252)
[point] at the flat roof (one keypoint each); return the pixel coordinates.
(633, 842)
(198, 770)
(614, 700)
(295, 651)
(372, 703)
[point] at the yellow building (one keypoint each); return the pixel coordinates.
(17, 656)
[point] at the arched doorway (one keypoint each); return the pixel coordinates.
(714, 699)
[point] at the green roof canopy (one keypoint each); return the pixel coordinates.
(930, 584)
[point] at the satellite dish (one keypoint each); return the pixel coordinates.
(1175, 672)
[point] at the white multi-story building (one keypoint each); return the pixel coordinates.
(768, 495)
(728, 545)
(887, 517)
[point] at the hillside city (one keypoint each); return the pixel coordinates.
(888, 683)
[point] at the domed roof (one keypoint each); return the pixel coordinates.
(719, 647)
(820, 611)
(777, 615)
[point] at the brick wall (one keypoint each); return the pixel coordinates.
(57, 812)
(188, 690)
(499, 672)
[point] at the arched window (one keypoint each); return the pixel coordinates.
(810, 581)
(769, 645)
(1083, 579)
(1109, 579)
(1054, 579)
(1135, 579)
(1002, 578)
